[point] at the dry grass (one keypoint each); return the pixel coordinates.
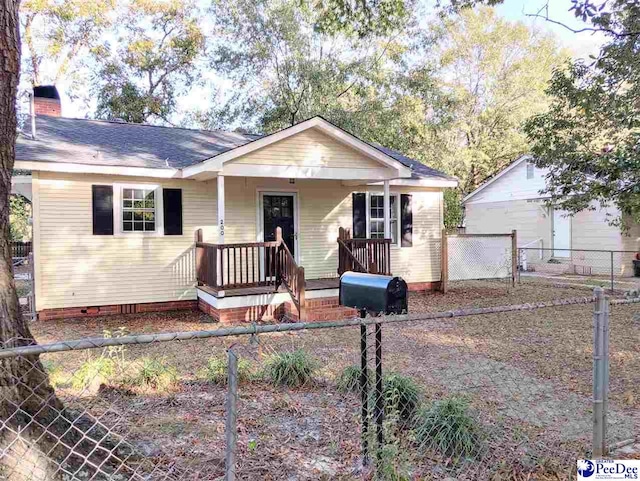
(527, 375)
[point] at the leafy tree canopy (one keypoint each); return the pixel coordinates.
(362, 18)
(158, 50)
(589, 140)
(57, 33)
(20, 213)
(494, 74)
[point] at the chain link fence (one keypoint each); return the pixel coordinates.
(500, 392)
(610, 269)
(24, 278)
(478, 256)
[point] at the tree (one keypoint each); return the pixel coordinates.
(590, 136)
(362, 18)
(38, 435)
(57, 33)
(160, 47)
(20, 212)
(289, 71)
(494, 74)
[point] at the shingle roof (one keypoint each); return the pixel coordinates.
(100, 142)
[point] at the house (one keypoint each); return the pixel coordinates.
(512, 200)
(135, 218)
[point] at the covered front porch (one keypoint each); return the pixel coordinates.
(266, 273)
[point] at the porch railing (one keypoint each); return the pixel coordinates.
(250, 264)
(363, 255)
(21, 249)
(231, 266)
(292, 277)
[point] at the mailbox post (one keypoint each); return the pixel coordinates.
(373, 294)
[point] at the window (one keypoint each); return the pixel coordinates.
(376, 217)
(530, 170)
(138, 209)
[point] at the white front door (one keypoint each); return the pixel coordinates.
(561, 233)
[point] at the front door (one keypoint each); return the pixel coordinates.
(278, 211)
(561, 233)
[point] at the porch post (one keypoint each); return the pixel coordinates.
(387, 209)
(220, 192)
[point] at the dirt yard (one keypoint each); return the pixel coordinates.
(526, 375)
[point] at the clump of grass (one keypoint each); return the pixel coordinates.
(156, 374)
(93, 372)
(448, 427)
(401, 395)
(293, 369)
(349, 379)
(55, 373)
(218, 368)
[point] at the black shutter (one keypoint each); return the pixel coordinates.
(359, 216)
(102, 198)
(172, 206)
(406, 224)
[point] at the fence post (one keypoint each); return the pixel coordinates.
(231, 433)
(31, 298)
(364, 390)
(600, 371)
(379, 407)
(611, 272)
(444, 262)
(514, 257)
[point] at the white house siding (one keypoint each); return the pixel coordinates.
(530, 219)
(75, 268)
(514, 202)
(512, 185)
(310, 148)
(324, 207)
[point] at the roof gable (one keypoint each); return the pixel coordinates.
(214, 165)
(497, 177)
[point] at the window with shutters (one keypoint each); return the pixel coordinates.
(138, 210)
(376, 217)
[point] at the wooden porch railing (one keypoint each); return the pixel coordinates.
(252, 264)
(291, 276)
(363, 255)
(231, 266)
(21, 249)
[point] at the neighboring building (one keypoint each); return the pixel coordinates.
(512, 200)
(117, 206)
(21, 185)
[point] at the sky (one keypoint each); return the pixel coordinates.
(580, 44)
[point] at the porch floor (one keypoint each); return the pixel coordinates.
(310, 285)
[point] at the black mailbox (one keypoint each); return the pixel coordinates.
(373, 293)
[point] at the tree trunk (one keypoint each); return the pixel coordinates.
(39, 438)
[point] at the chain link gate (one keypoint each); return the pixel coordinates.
(478, 256)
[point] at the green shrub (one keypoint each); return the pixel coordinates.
(93, 372)
(55, 373)
(349, 379)
(293, 369)
(217, 370)
(448, 427)
(401, 395)
(156, 373)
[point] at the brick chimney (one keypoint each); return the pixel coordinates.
(46, 100)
